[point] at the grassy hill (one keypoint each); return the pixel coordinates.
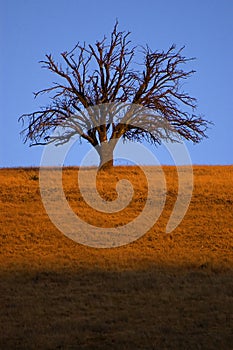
(163, 291)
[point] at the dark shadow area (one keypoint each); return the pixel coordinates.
(158, 308)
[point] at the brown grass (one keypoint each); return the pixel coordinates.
(160, 292)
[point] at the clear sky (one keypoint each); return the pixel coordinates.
(32, 28)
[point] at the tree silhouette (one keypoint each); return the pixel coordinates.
(106, 75)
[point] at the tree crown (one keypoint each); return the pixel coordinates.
(104, 73)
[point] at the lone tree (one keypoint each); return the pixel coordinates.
(106, 74)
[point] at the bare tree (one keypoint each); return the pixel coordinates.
(104, 74)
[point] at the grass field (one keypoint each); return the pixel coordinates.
(163, 291)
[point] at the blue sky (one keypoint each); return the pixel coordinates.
(30, 29)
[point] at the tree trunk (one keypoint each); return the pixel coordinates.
(106, 155)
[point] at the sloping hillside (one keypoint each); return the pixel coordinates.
(163, 291)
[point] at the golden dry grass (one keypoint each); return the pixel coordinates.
(160, 292)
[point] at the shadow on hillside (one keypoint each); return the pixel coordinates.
(153, 309)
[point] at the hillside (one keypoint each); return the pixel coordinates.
(163, 291)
